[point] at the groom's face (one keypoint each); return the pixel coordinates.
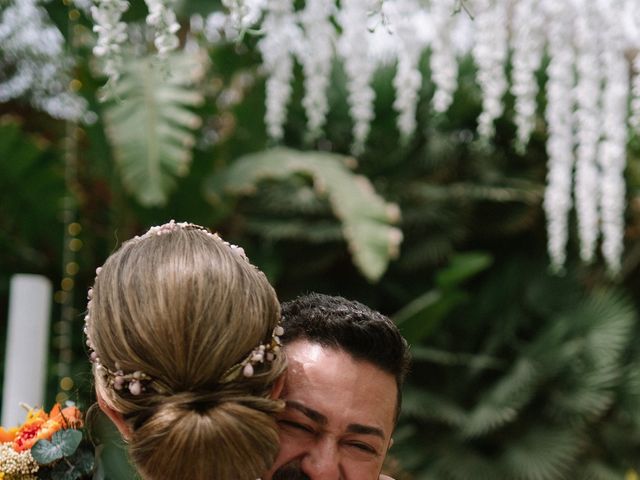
(339, 416)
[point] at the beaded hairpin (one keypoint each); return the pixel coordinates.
(138, 381)
(261, 354)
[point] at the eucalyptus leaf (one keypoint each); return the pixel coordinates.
(45, 452)
(65, 471)
(83, 460)
(68, 440)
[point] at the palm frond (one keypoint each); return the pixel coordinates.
(501, 405)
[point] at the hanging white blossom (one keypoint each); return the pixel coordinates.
(316, 54)
(163, 20)
(589, 79)
(112, 34)
(612, 154)
(631, 17)
(635, 95)
(244, 14)
(408, 79)
(443, 59)
(557, 198)
(33, 63)
(528, 47)
(281, 34)
(490, 54)
(353, 47)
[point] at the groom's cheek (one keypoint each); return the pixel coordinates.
(289, 451)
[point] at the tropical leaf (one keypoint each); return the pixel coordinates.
(459, 462)
(426, 406)
(418, 318)
(502, 404)
(598, 471)
(542, 454)
(150, 124)
(600, 328)
(366, 219)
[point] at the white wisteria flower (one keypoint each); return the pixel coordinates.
(244, 14)
(353, 47)
(316, 55)
(34, 65)
(443, 60)
(408, 79)
(281, 33)
(528, 48)
(559, 114)
(163, 20)
(112, 34)
(589, 79)
(612, 154)
(490, 54)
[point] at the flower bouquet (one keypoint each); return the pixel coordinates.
(46, 446)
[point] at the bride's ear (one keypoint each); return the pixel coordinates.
(276, 391)
(116, 417)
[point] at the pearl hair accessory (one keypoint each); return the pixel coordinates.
(259, 355)
(138, 381)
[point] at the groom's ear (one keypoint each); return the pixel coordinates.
(276, 391)
(115, 416)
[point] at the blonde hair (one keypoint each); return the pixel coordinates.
(184, 308)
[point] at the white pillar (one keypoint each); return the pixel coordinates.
(25, 367)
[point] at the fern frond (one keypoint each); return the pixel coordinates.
(150, 124)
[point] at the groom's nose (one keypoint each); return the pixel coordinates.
(323, 462)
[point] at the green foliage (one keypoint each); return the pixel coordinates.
(63, 444)
(150, 124)
(522, 399)
(419, 317)
(365, 217)
(112, 461)
(65, 457)
(31, 193)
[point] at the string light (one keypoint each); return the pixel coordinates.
(63, 329)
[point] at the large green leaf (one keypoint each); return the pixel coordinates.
(150, 123)
(422, 315)
(367, 220)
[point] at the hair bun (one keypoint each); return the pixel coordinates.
(224, 424)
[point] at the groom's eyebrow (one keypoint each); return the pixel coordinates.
(308, 412)
(323, 420)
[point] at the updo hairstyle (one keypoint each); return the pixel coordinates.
(185, 308)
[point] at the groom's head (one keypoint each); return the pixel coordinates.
(343, 389)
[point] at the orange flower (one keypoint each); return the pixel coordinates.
(68, 417)
(40, 426)
(7, 435)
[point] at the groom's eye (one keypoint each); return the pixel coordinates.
(296, 426)
(363, 447)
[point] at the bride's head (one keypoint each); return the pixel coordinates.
(183, 333)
